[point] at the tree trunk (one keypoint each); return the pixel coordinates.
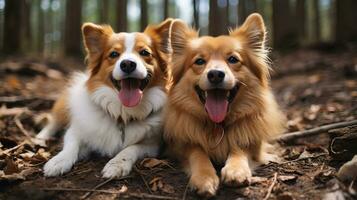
(166, 9)
(217, 19)
(72, 36)
(40, 36)
(26, 25)
(346, 16)
(121, 15)
(196, 20)
(316, 18)
(245, 8)
(284, 35)
(301, 19)
(242, 14)
(144, 14)
(104, 11)
(12, 22)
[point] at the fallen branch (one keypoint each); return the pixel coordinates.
(304, 158)
(143, 178)
(271, 186)
(13, 148)
(185, 192)
(315, 131)
(128, 195)
(21, 127)
(96, 187)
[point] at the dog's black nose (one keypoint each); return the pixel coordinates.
(127, 66)
(215, 76)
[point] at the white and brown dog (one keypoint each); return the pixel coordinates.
(114, 108)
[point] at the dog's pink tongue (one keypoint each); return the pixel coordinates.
(130, 94)
(216, 105)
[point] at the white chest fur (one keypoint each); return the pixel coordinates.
(93, 117)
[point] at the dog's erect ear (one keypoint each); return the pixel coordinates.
(95, 37)
(254, 30)
(172, 38)
(160, 35)
(180, 35)
(252, 35)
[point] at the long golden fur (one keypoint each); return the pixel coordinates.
(253, 117)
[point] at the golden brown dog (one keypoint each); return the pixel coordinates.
(220, 107)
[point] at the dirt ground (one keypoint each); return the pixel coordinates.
(312, 87)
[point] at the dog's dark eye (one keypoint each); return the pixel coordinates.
(144, 53)
(113, 54)
(233, 60)
(200, 61)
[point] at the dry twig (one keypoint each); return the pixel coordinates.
(304, 158)
(21, 127)
(96, 187)
(271, 186)
(315, 131)
(128, 195)
(13, 148)
(144, 180)
(185, 192)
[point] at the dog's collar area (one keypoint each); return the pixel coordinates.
(218, 132)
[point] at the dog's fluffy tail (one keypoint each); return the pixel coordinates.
(58, 119)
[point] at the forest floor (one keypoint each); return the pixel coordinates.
(312, 87)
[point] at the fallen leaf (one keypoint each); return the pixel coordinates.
(312, 113)
(257, 179)
(123, 189)
(55, 74)
(153, 162)
(4, 111)
(17, 176)
(168, 189)
(285, 178)
(27, 155)
(157, 184)
(41, 156)
(13, 82)
(11, 167)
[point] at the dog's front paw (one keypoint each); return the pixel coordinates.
(205, 185)
(236, 175)
(117, 169)
(56, 166)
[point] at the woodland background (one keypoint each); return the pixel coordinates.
(314, 60)
(51, 28)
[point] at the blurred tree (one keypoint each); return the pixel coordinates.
(26, 25)
(241, 12)
(121, 15)
(12, 22)
(40, 27)
(284, 35)
(214, 21)
(166, 9)
(316, 21)
(346, 16)
(72, 37)
(218, 20)
(245, 8)
(196, 19)
(144, 17)
(300, 19)
(104, 11)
